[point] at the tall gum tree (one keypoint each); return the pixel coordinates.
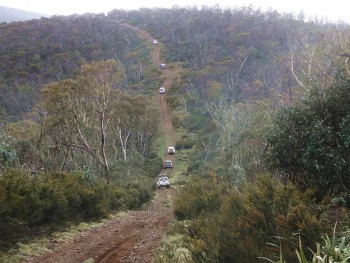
(319, 63)
(80, 112)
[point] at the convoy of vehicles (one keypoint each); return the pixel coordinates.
(163, 180)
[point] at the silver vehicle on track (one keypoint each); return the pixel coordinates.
(163, 182)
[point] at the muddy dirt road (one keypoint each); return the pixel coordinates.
(133, 237)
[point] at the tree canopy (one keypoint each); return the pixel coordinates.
(91, 117)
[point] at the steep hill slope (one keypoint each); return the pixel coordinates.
(37, 52)
(135, 236)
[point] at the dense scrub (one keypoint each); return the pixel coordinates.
(310, 141)
(297, 208)
(39, 203)
(231, 225)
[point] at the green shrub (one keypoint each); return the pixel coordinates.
(203, 239)
(197, 197)
(310, 141)
(238, 225)
(7, 153)
(29, 202)
(152, 167)
(153, 155)
(18, 201)
(138, 191)
(176, 122)
(185, 143)
(196, 165)
(171, 253)
(262, 211)
(173, 101)
(118, 202)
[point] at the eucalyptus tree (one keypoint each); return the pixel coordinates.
(317, 58)
(134, 125)
(242, 129)
(85, 117)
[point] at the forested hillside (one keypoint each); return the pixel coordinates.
(37, 52)
(260, 109)
(240, 66)
(248, 52)
(240, 54)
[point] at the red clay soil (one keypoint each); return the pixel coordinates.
(135, 236)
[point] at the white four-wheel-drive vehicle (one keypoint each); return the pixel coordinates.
(171, 150)
(155, 42)
(168, 164)
(161, 90)
(162, 66)
(163, 182)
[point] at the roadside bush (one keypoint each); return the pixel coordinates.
(173, 102)
(310, 141)
(18, 200)
(96, 201)
(266, 212)
(185, 143)
(153, 155)
(198, 196)
(118, 201)
(240, 225)
(203, 240)
(152, 167)
(29, 202)
(176, 122)
(138, 191)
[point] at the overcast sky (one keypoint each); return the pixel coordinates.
(333, 10)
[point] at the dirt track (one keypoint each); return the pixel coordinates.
(135, 236)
